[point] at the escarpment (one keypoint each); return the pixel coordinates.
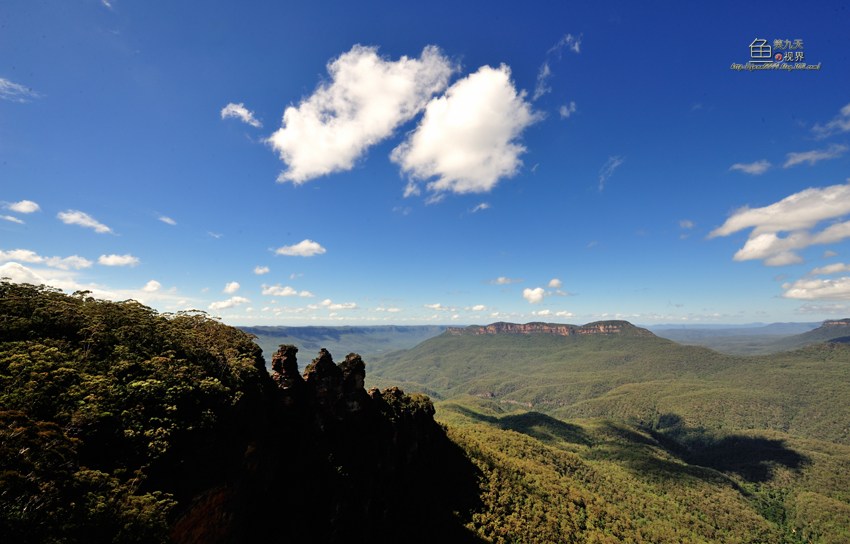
(623, 328)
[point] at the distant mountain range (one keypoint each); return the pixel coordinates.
(369, 342)
(757, 340)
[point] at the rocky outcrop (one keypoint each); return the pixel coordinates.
(337, 464)
(598, 327)
(837, 323)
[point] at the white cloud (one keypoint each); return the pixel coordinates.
(753, 168)
(152, 286)
(502, 280)
(439, 307)
(167, 220)
(567, 109)
(480, 207)
(608, 169)
(543, 76)
(828, 254)
(830, 269)
(564, 313)
(479, 308)
(260, 270)
(367, 98)
(542, 313)
(239, 111)
(15, 92)
(12, 219)
(284, 291)
(231, 287)
(76, 217)
(24, 206)
(832, 152)
(828, 309)
(555, 283)
(686, 224)
(533, 296)
(467, 138)
(570, 42)
(329, 304)
(304, 248)
(31, 257)
(215, 235)
(118, 260)
(798, 211)
(229, 303)
(811, 289)
(796, 214)
(840, 123)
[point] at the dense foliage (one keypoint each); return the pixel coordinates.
(111, 413)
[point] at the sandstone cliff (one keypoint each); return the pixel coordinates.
(599, 327)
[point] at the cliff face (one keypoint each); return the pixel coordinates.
(837, 323)
(337, 464)
(598, 327)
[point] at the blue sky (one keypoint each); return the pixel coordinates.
(443, 162)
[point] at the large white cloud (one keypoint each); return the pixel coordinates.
(304, 248)
(76, 217)
(467, 138)
(367, 98)
(796, 215)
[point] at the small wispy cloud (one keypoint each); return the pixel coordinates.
(260, 270)
(82, 219)
(239, 111)
(118, 260)
(502, 280)
(542, 87)
(608, 169)
(570, 42)
(15, 92)
(567, 109)
(229, 303)
(284, 291)
(480, 207)
(814, 156)
(840, 123)
(231, 287)
(12, 219)
(304, 248)
(167, 220)
(753, 168)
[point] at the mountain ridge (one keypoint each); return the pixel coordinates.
(618, 327)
